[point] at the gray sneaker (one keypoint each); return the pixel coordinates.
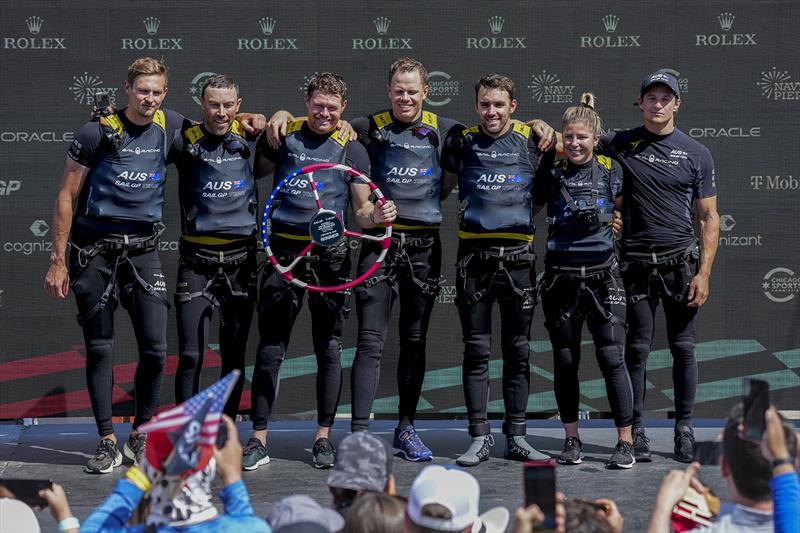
(134, 447)
(572, 453)
(641, 445)
(477, 452)
(105, 459)
(518, 449)
(254, 455)
(324, 453)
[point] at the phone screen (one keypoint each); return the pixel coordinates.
(540, 488)
(756, 402)
(27, 490)
(706, 452)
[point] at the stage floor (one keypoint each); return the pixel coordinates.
(59, 451)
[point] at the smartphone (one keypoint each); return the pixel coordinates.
(222, 435)
(756, 403)
(540, 488)
(706, 452)
(27, 490)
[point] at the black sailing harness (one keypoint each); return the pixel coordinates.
(222, 261)
(654, 262)
(122, 245)
(499, 256)
(582, 274)
(589, 214)
(405, 245)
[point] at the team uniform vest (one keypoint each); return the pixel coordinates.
(570, 241)
(218, 190)
(495, 185)
(127, 180)
(295, 205)
(406, 167)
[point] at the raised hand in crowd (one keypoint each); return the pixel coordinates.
(671, 491)
(56, 499)
(229, 457)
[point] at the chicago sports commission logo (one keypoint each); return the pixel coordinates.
(780, 284)
(196, 85)
(441, 88)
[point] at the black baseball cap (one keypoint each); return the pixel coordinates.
(664, 77)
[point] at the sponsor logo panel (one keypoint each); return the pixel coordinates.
(267, 41)
(611, 38)
(725, 37)
(33, 41)
(548, 88)
(151, 39)
(780, 284)
(733, 235)
(9, 186)
(495, 39)
(86, 87)
(776, 84)
(775, 182)
(383, 41)
(441, 88)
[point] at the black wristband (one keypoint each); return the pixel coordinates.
(783, 461)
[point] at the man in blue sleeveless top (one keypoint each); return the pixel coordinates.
(115, 173)
(496, 163)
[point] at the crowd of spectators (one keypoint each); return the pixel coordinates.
(761, 479)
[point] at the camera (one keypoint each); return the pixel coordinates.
(589, 215)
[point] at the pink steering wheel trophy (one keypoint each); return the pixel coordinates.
(326, 228)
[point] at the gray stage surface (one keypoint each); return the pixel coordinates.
(59, 450)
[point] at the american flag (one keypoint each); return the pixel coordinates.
(176, 418)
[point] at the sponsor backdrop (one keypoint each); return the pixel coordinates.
(739, 67)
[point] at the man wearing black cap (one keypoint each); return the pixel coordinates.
(665, 172)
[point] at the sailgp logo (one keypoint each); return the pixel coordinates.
(496, 24)
(85, 87)
(611, 39)
(34, 24)
(725, 38)
(549, 89)
(151, 42)
(778, 85)
(381, 25)
(268, 42)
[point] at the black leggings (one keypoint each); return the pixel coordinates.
(480, 281)
(645, 287)
(568, 301)
(148, 313)
(411, 272)
(201, 286)
(278, 307)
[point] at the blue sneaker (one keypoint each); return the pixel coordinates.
(409, 446)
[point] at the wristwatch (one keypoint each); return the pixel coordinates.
(782, 461)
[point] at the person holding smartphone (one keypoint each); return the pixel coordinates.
(582, 282)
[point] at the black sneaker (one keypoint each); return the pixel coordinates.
(324, 453)
(622, 456)
(572, 453)
(105, 459)
(641, 445)
(684, 444)
(134, 447)
(477, 452)
(254, 454)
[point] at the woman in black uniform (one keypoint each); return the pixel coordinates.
(581, 280)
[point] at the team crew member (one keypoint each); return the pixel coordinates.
(405, 149)
(665, 172)
(314, 139)
(582, 280)
(115, 171)
(217, 265)
(496, 163)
